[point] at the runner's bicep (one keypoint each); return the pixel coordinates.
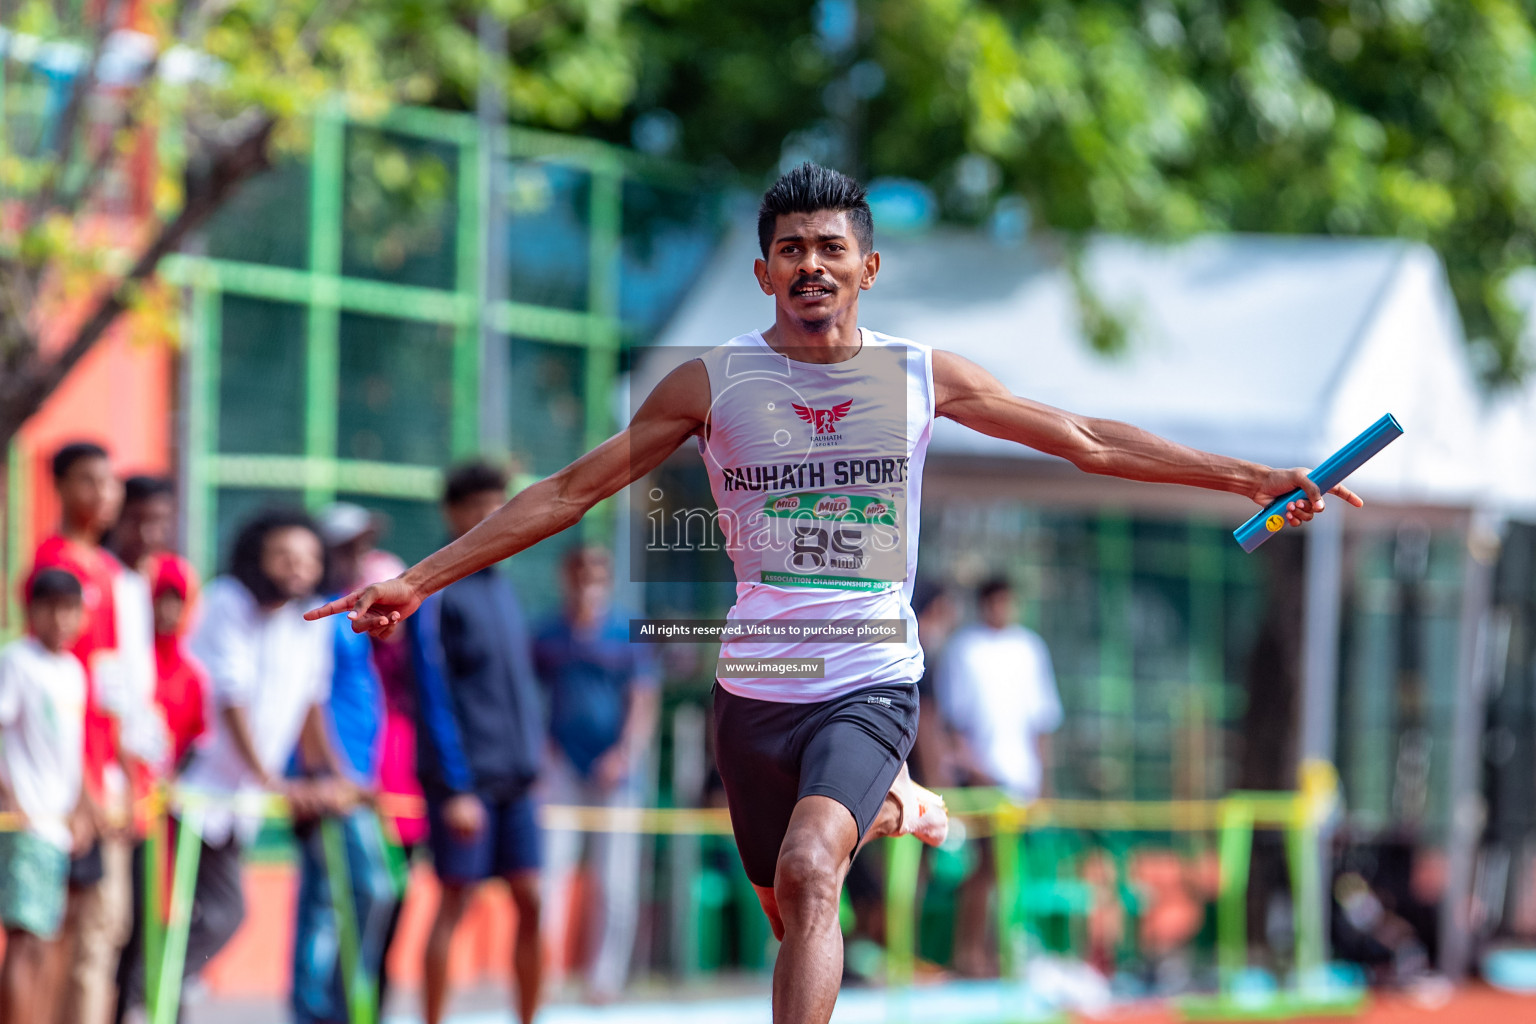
(672, 413)
(974, 398)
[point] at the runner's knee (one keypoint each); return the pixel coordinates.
(806, 874)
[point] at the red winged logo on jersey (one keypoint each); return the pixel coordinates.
(824, 420)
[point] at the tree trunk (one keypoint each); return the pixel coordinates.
(24, 392)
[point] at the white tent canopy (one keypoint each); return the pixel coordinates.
(1272, 348)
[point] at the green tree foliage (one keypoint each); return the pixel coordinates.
(1160, 118)
(214, 91)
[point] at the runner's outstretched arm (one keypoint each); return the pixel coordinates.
(672, 413)
(971, 396)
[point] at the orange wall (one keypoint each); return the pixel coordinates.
(258, 961)
(120, 396)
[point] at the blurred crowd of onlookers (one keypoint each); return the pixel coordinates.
(128, 678)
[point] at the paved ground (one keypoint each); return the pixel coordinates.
(952, 1003)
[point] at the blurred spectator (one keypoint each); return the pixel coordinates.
(42, 721)
(355, 718)
(350, 533)
(479, 739)
(181, 684)
(937, 614)
(142, 541)
(602, 693)
(997, 693)
(98, 916)
(163, 582)
(270, 674)
(141, 536)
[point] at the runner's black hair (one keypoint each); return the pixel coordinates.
(245, 556)
(811, 187)
(473, 478)
(54, 585)
(76, 451)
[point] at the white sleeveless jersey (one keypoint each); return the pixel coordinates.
(817, 473)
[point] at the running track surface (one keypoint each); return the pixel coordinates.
(973, 1003)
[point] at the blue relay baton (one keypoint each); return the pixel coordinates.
(1327, 476)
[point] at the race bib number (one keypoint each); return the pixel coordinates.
(842, 541)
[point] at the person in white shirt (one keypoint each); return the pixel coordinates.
(997, 695)
(42, 724)
(269, 676)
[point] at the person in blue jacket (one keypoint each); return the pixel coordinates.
(480, 736)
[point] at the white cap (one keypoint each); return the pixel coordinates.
(342, 522)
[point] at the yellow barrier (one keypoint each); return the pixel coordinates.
(985, 811)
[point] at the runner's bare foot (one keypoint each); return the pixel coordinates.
(922, 810)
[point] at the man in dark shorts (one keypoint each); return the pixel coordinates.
(479, 736)
(814, 433)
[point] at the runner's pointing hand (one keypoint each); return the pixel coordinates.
(375, 609)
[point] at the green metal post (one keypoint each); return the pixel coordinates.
(165, 998)
(154, 902)
(1236, 849)
(17, 508)
(1206, 670)
(202, 436)
(1007, 844)
(362, 991)
(1301, 849)
(604, 240)
(322, 342)
(465, 433)
(1116, 704)
(904, 857)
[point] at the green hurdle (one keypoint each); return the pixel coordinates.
(163, 998)
(362, 991)
(165, 934)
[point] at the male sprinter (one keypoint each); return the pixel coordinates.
(814, 433)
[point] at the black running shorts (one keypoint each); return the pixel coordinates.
(771, 755)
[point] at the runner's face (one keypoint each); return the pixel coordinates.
(814, 269)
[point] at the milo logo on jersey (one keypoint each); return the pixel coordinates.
(847, 508)
(832, 506)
